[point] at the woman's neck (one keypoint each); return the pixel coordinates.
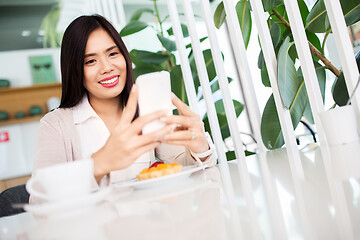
(109, 110)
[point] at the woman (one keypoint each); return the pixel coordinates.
(98, 116)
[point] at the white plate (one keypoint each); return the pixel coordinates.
(67, 206)
(153, 182)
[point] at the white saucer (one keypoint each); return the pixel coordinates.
(67, 206)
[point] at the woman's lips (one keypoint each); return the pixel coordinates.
(110, 82)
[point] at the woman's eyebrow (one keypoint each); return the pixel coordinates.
(107, 50)
(111, 48)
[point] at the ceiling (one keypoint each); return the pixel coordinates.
(20, 20)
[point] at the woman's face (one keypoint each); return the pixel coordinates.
(104, 67)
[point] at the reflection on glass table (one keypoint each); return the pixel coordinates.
(323, 204)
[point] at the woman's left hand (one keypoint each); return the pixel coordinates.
(190, 128)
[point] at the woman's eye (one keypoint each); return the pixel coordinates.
(90, 61)
(113, 53)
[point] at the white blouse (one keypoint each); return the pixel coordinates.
(93, 136)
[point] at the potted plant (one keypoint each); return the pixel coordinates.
(293, 93)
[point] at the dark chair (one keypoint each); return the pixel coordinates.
(14, 195)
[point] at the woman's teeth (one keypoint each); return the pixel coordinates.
(109, 81)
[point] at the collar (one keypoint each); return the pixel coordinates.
(83, 111)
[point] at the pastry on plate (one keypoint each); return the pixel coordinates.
(159, 169)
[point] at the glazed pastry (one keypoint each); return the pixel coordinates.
(159, 169)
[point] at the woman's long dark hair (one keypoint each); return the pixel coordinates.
(72, 58)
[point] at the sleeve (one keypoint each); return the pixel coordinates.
(51, 149)
(50, 146)
(183, 155)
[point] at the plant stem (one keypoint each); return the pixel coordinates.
(324, 59)
(158, 17)
(313, 49)
(324, 41)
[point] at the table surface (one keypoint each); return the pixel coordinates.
(269, 197)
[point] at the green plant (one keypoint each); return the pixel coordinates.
(290, 80)
(52, 38)
(165, 60)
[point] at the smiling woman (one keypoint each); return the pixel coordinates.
(105, 66)
(98, 116)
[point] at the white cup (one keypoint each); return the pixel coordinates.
(154, 94)
(52, 103)
(339, 125)
(62, 181)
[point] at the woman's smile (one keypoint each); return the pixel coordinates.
(110, 81)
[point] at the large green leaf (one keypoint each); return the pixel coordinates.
(137, 14)
(275, 33)
(201, 40)
(271, 132)
(244, 16)
(321, 76)
(215, 85)
(293, 94)
(177, 83)
(271, 4)
(314, 40)
(167, 43)
(133, 27)
(304, 11)
(148, 57)
(184, 30)
(265, 79)
(243, 12)
(219, 15)
(339, 90)
(220, 112)
(351, 10)
(287, 77)
(261, 60)
(318, 21)
(210, 67)
(273, 19)
(270, 126)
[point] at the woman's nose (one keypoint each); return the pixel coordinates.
(106, 66)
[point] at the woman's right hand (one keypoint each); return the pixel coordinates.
(126, 143)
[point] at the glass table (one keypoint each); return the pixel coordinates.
(268, 201)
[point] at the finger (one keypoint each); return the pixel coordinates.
(140, 122)
(146, 148)
(178, 143)
(182, 107)
(180, 120)
(159, 134)
(180, 135)
(131, 106)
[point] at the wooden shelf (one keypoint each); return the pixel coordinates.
(15, 99)
(20, 120)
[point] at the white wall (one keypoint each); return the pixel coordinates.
(15, 65)
(17, 155)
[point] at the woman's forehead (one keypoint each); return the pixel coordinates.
(99, 41)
